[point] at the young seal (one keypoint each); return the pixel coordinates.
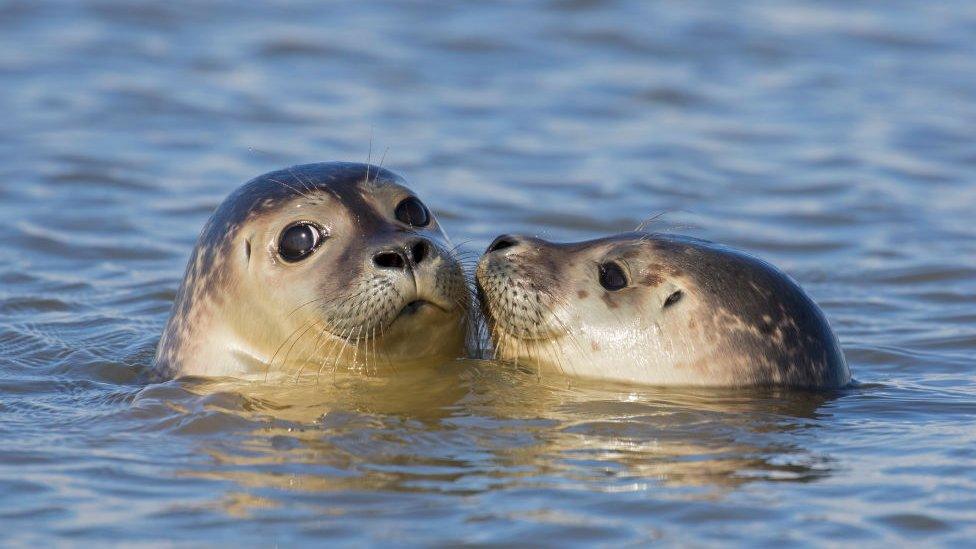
(654, 309)
(312, 267)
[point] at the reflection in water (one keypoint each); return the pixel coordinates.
(473, 426)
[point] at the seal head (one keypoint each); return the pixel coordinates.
(313, 267)
(654, 309)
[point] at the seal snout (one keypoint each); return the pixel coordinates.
(516, 296)
(412, 254)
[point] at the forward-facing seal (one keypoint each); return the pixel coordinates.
(654, 309)
(315, 267)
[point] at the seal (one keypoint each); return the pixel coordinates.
(654, 309)
(312, 267)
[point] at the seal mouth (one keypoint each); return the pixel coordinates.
(416, 306)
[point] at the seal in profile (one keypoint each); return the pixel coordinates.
(655, 309)
(314, 267)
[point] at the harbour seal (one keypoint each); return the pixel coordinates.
(654, 309)
(309, 267)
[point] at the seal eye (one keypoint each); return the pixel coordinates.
(412, 212)
(298, 241)
(612, 277)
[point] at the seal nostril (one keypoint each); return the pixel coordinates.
(502, 242)
(419, 251)
(389, 260)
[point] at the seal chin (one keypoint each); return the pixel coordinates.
(409, 339)
(415, 309)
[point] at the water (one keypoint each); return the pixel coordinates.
(834, 139)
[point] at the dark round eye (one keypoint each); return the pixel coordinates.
(412, 212)
(299, 241)
(612, 277)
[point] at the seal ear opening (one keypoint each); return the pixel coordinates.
(247, 251)
(673, 298)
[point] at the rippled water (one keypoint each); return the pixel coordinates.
(833, 138)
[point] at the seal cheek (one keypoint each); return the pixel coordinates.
(611, 304)
(583, 294)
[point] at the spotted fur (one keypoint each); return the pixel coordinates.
(737, 320)
(238, 300)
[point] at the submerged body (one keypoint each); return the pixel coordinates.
(655, 309)
(315, 267)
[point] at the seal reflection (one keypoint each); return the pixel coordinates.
(472, 427)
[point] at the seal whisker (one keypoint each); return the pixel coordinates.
(369, 341)
(339, 347)
(320, 342)
(298, 178)
(284, 361)
(341, 344)
(380, 168)
(366, 351)
(562, 304)
(287, 186)
(336, 344)
(307, 303)
(369, 154)
(270, 364)
(647, 221)
(355, 351)
(389, 362)
(568, 334)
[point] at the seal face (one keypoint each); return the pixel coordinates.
(310, 267)
(654, 309)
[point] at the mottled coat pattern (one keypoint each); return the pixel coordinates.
(352, 195)
(692, 313)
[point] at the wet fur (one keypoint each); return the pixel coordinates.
(207, 314)
(737, 320)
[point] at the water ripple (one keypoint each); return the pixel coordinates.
(832, 139)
